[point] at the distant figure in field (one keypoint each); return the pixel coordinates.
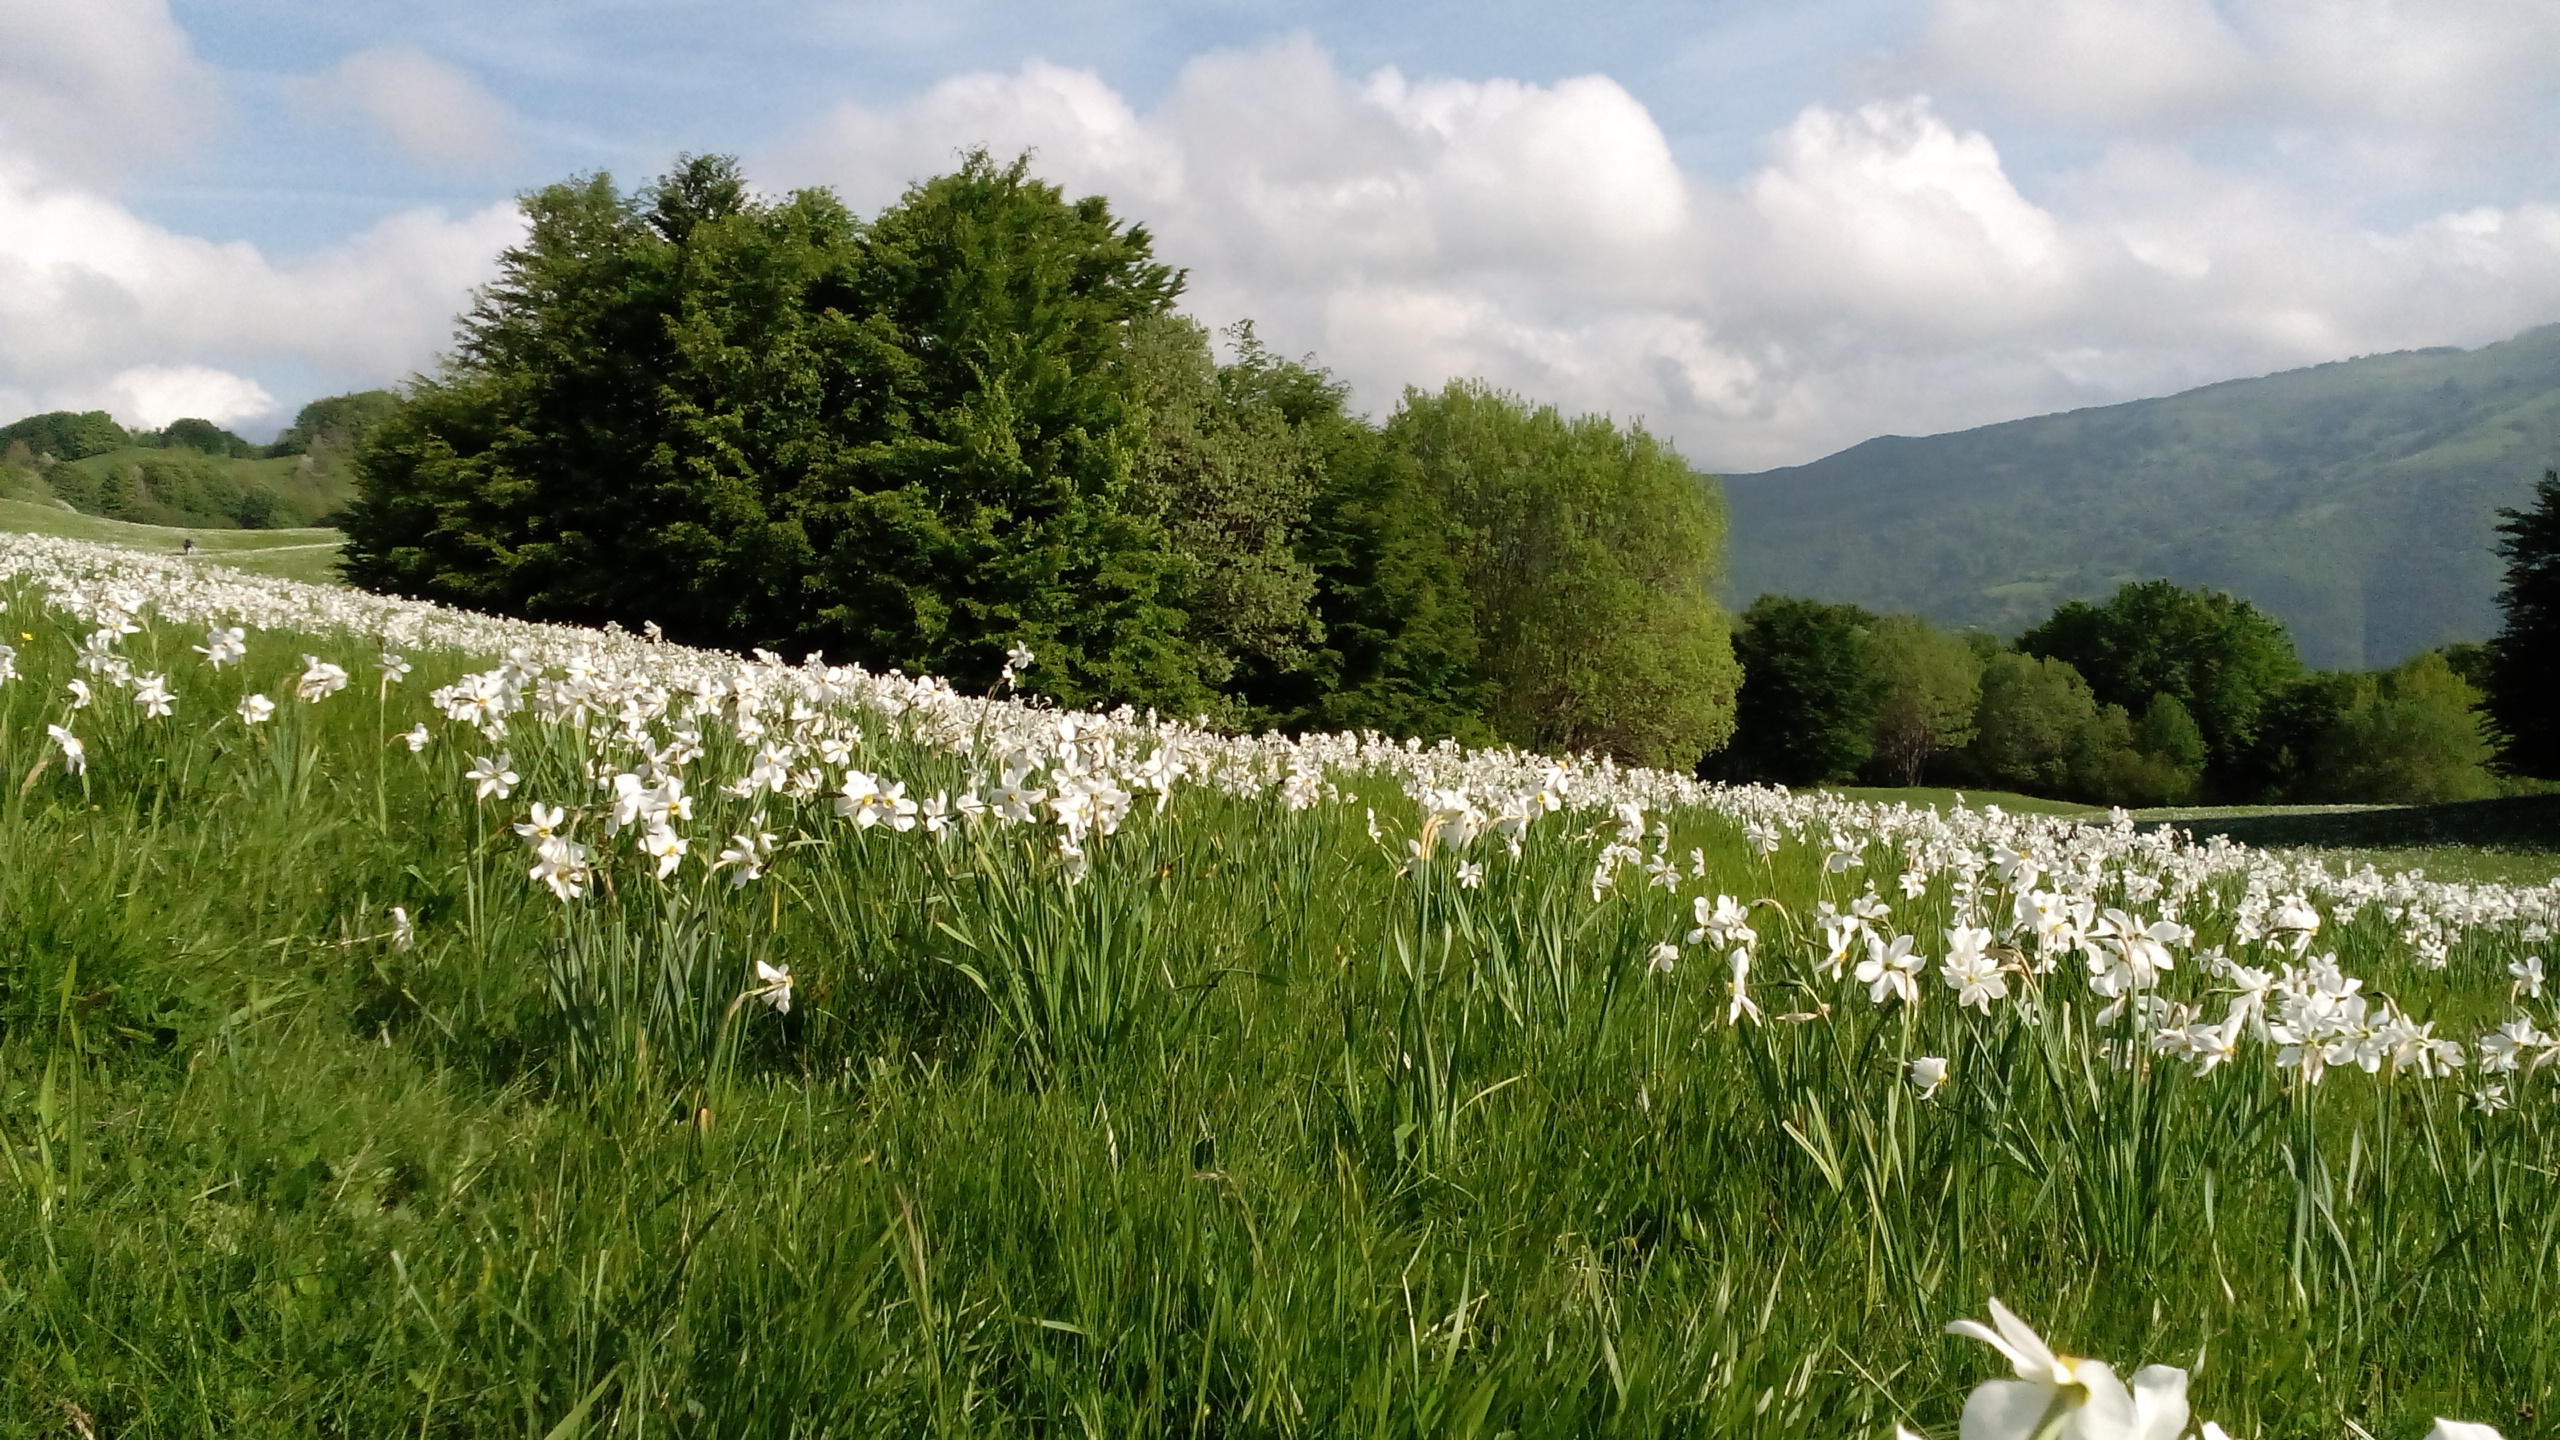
(189, 548)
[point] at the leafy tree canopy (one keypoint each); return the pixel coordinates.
(66, 435)
(2523, 669)
(762, 422)
(336, 423)
(2221, 658)
(1589, 552)
(205, 438)
(1810, 691)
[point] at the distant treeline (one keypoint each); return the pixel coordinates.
(2159, 696)
(974, 421)
(192, 472)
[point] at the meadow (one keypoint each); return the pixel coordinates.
(414, 1022)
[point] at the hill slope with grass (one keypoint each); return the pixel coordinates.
(2355, 501)
(621, 1038)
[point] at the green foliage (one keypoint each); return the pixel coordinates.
(334, 426)
(2413, 735)
(183, 487)
(2220, 657)
(1810, 690)
(2523, 671)
(206, 438)
(1337, 1151)
(1932, 689)
(1400, 653)
(2029, 728)
(762, 423)
(2292, 729)
(1233, 480)
(2355, 502)
(1589, 552)
(66, 435)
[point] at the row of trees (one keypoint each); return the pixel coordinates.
(2160, 695)
(336, 423)
(975, 421)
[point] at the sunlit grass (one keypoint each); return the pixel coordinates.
(1247, 1133)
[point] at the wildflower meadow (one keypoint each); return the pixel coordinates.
(413, 1022)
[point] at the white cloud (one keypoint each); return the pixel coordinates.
(92, 84)
(2392, 85)
(150, 396)
(434, 113)
(99, 307)
(2103, 60)
(1883, 270)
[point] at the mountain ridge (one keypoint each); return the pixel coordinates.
(2354, 499)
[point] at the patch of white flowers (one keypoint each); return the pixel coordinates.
(2034, 900)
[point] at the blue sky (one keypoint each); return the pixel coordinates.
(1768, 230)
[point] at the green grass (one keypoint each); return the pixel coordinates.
(309, 555)
(2511, 840)
(1927, 797)
(1246, 1135)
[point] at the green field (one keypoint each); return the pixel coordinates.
(1298, 1104)
(2513, 841)
(308, 555)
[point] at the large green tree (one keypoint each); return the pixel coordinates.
(1590, 551)
(762, 422)
(1932, 686)
(66, 434)
(2412, 735)
(2524, 659)
(2220, 657)
(1233, 480)
(1810, 691)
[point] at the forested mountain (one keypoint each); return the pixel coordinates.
(2354, 501)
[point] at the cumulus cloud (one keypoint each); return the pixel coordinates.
(2430, 77)
(151, 396)
(1881, 270)
(100, 308)
(435, 113)
(93, 85)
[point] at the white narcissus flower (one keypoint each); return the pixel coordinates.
(1741, 1004)
(2463, 1430)
(1470, 874)
(223, 645)
(660, 842)
(1928, 1073)
(1970, 970)
(542, 821)
(417, 737)
(494, 776)
(1888, 970)
(394, 668)
(2062, 1397)
(773, 984)
(319, 680)
(256, 710)
(75, 756)
(404, 931)
(151, 692)
(79, 694)
(1665, 956)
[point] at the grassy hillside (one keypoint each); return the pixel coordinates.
(1303, 1087)
(2353, 500)
(309, 555)
(181, 487)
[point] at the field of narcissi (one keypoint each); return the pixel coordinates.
(418, 1023)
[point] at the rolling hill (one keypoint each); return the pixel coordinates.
(2355, 500)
